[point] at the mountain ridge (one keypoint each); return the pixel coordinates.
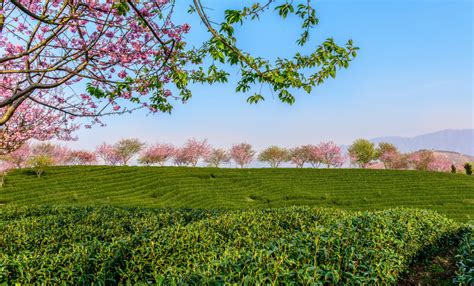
(448, 140)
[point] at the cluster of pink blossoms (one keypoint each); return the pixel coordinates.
(46, 52)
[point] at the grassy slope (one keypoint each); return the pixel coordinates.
(449, 194)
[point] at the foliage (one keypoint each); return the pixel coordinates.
(465, 260)
(217, 157)
(362, 152)
(242, 154)
(274, 156)
(453, 169)
(386, 153)
(468, 168)
(39, 163)
(350, 189)
(158, 246)
(127, 148)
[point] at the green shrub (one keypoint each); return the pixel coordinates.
(298, 245)
(468, 168)
(465, 261)
(40, 163)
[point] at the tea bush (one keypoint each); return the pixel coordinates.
(298, 245)
(465, 260)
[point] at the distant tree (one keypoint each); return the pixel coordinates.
(58, 154)
(300, 155)
(440, 163)
(468, 168)
(362, 152)
(157, 154)
(81, 157)
(421, 160)
(242, 154)
(127, 148)
(180, 157)
(386, 153)
(453, 169)
(217, 156)
(19, 157)
(39, 163)
(195, 150)
(5, 167)
(331, 154)
(274, 156)
(399, 161)
(108, 154)
(315, 157)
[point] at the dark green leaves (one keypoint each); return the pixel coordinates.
(255, 98)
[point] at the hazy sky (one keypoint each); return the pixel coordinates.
(413, 75)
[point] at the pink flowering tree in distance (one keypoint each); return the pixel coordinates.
(133, 54)
(157, 154)
(440, 163)
(242, 154)
(57, 154)
(81, 157)
(217, 157)
(18, 158)
(108, 154)
(300, 155)
(195, 150)
(331, 154)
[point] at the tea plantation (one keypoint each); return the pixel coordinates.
(172, 187)
(298, 245)
(179, 226)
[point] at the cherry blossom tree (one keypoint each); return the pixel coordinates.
(242, 154)
(32, 121)
(57, 154)
(81, 157)
(386, 153)
(331, 154)
(217, 157)
(180, 157)
(440, 163)
(108, 154)
(300, 155)
(315, 157)
(19, 157)
(274, 156)
(421, 160)
(157, 154)
(131, 55)
(195, 150)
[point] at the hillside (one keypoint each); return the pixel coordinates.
(461, 141)
(172, 187)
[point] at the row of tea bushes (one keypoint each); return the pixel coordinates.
(465, 260)
(302, 245)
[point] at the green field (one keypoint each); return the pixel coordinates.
(209, 188)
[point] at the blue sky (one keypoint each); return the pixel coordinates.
(413, 75)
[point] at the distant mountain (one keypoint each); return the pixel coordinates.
(460, 141)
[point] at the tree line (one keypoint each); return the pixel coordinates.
(362, 154)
